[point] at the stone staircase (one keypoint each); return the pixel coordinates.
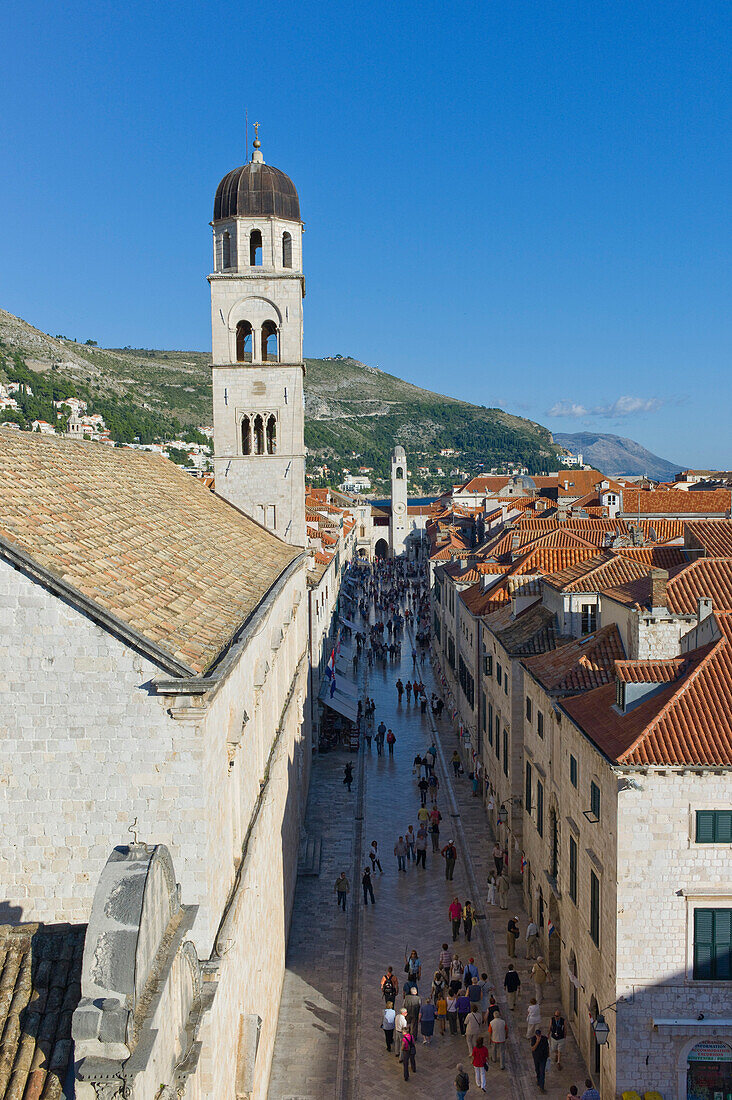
(308, 856)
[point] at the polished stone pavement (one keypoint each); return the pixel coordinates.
(329, 1043)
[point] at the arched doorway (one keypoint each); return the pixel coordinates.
(382, 549)
(709, 1070)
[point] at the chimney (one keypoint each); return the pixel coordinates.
(659, 580)
(704, 608)
(515, 541)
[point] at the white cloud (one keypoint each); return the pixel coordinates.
(622, 406)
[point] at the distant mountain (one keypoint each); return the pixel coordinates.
(613, 454)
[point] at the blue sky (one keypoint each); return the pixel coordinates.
(521, 204)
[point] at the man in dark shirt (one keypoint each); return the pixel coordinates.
(540, 1054)
(557, 1037)
(512, 931)
(423, 788)
(512, 985)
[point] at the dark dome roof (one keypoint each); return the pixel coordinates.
(256, 189)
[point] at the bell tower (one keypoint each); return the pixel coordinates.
(398, 523)
(257, 289)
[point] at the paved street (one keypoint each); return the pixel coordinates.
(329, 1041)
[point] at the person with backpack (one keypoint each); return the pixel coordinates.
(449, 854)
(462, 1082)
(409, 1051)
(390, 985)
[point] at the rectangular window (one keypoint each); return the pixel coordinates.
(505, 683)
(498, 739)
(573, 869)
(528, 709)
(540, 724)
(437, 626)
(714, 826)
(573, 770)
(595, 800)
(589, 618)
(488, 664)
(490, 723)
(527, 796)
(499, 674)
(595, 908)
(271, 517)
(505, 751)
(540, 808)
(482, 707)
(713, 945)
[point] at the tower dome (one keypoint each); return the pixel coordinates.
(256, 190)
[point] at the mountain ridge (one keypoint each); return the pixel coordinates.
(616, 454)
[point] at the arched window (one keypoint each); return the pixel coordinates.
(286, 250)
(258, 435)
(399, 473)
(226, 250)
(246, 436)
(271, 434)
(255, 248)
(244, 337)
(269, 342)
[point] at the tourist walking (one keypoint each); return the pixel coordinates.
(421, 847)
(532, 940)
(441, 1006)
(468, 919)
(449, 854)
(463, 1008)
(480, 1057)
(423, 787)
(387, 1024)
(412, 1005)
(497, 854)
(557, 1037)
(462, 1082)
(590, 1092)
(455, 913)
(533, 1018)
(342, 887)
(512, 932)
(498, 1032)
(540, 976)
(512, 985)
(391, 741)
(470, 971)
(409, 840)
(390, 985)
(409, 1051)
(491, 893)
(374, 857)
(427, 1020)
(368, 889)
(445, 960)
(434, 785)
(439, 985)
(348, 775)
(540, 1054)
(455, 761)
(400, 851)
(400, 1026)
(452, 1012)
(380, 735)
(473, 1027)
(413, 968)
(503, 888)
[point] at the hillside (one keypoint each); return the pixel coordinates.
(354, 414)
(614, 454)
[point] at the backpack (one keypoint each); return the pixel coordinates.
(451, 852)
(462, 1082)
(388, 990)
(390, 738)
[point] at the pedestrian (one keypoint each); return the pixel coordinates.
(462, 1082)
(452, 1012)
(374, 857)
(368, 889)
(348, 775)
(414, 658)
(412, 1005)
(532, 940)
(400, 1026)
(400, 689)
(485, 994)
(435, 834)
(408, 689)
(473, 1028)
(463, 1008)
(427, 1015)
(470, 971)
(498, 1032)
(480, 1058)
(455, 761)
(429, 759)
(468, 919)
(409, 840)
(475, 995)
(557, 1037)
(512, 985)
(512, 932)
(434, 786)
(503, 888)
(533, 1018)
(540, 1054)
(409, 1051)
(573, 1092)
(390, 985)
(421, 846)
(413, 968)
(455, 913)
(391, 741)
(400, 851)
(540, 975)
(387, 1024)
(498, 858)
(342, 887)
(423, 786)
(417, 766)
(449, 853)
(439, 985)
(456, 974)
(380, 735)
(492, 893)
(492, 1008)
(441, 1007)
(445, 960)
(590, 1092)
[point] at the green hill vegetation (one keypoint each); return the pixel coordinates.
(354, 414)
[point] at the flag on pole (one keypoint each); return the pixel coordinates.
(549, 926)
(330, 667)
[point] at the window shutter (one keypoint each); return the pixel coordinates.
(724, 827)
(723, 944)
(703, 944)
(705, 826)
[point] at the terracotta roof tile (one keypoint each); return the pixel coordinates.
(659, 557)
(705, 578)
(676, 501)
(580, 664)
(598, 573)
(650, 672)
(713, 536)
(137, 535)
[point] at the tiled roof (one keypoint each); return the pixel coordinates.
(705, 578)
(596, 574)
(714, 536)
(595, 529)
(533, 630)
(139, 537)
(650, 672)
(40, 986)
(676, 501)
(657, 557)
(322, 558)
(687, 723)
(581, 664)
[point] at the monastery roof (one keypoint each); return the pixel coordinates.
(579, 665)
(40, 986)
(689, 722)
(139, 537)
(714, 536)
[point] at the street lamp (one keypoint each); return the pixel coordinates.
(502, 814)
(601, 1030)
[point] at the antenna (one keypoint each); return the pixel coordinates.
(246, 134)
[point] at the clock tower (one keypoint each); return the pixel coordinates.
(398, 524)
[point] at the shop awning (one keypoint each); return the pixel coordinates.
(348, 623)
(341, 702)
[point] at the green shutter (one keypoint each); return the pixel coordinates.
(722, 944)
(703, 944)
(705, 826)
(724, 827)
